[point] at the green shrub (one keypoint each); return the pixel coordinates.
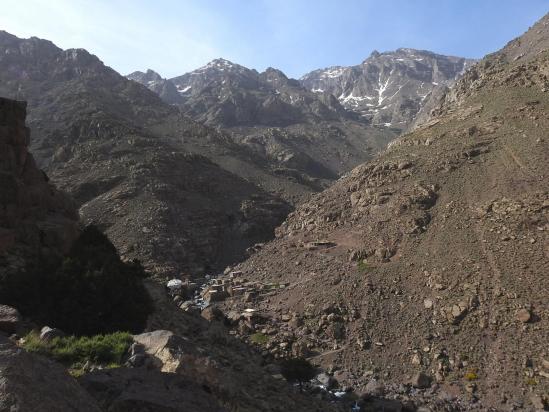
(471, 376)
(107, 350)
(363, 266)
(90, 292)
(259, 338)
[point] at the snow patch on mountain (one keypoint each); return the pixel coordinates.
(388, 87)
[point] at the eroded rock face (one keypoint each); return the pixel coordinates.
(32, 383)
(34, 216)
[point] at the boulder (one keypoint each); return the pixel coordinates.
(421, 380)
(9, 319)
(169, 351)
(33, 383)
(373, 388)
(128, 390)
(524, 315)
(326, 380)
(47, 333)
(211, 313)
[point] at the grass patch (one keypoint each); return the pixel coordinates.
(105, 350)
(259, 338)
(363, 266)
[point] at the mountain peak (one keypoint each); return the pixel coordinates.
(383, 86)
(149, 76)
(220, 64)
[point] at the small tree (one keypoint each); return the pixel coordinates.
(297, 370)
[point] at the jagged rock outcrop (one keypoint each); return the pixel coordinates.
(388, 88)
(35, 218)
(164, 88)
(228, 94)
(432, 257)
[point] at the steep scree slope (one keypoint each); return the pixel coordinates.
(434, 256)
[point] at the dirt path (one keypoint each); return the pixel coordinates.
(331, 352)
(491, 281)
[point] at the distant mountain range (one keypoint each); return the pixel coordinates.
(387, 89)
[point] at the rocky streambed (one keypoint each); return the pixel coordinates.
(232, 300)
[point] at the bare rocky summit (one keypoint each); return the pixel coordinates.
(389, 88)
(164, 88)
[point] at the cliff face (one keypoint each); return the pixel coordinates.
(35, 218)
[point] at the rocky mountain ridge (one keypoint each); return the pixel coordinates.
(311, 137)
(389, 88)
(227, 94)
(149, 176)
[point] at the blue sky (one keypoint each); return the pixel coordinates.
(296, 36)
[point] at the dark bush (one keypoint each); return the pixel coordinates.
(90, 292)
(297, 370)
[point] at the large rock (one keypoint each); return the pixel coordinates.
(421, 380)
(47, 333)
(32, 383)
(171, 353)
(9, 319)
(130, 389)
